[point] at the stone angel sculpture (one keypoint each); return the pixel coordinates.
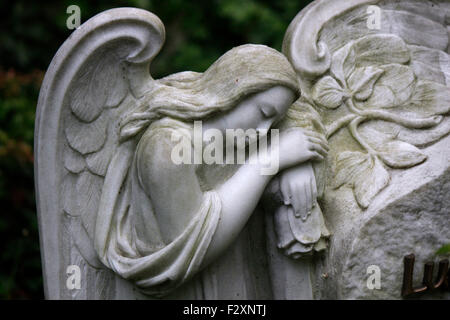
(112, 201)
(366, 79)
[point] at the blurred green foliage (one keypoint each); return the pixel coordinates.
(444, 250)
(197, 33)
(20, 275)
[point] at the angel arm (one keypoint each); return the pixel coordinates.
(176, 205)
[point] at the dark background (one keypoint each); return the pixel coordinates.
(197, 33)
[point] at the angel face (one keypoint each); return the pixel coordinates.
(258, 111)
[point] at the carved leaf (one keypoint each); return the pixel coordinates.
(328, 93)
(381, 49)
(394, 87)
(429, 99)
(398, 154)
(362, 81)
(364, 172)
(371, 181)
(348, 165)
(343, 62)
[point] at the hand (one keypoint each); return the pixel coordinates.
(298, 188)
(297, 146)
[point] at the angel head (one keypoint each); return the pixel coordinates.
(250, 86)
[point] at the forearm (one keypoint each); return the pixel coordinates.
(239, 195)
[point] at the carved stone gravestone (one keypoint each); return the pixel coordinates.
(270, 175)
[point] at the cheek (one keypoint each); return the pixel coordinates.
(255, 121)
(248, 120)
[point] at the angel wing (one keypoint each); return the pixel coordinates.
(380, 69)
(97, 74)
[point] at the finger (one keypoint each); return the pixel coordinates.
(314, 134)
(313, 188)
(308, 195)
(285, 192)
(318, 148)
(297, 200)
(319, 141)
(304, 201)
(314, 155)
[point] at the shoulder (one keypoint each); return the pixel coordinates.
(156, 146)
(166, 127)
(162, 136)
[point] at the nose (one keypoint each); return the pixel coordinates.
(263, 128)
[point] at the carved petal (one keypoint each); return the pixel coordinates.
(309, 231)
(328, 93)
(398, 154)
(362, 80)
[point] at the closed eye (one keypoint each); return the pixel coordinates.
(268, 111)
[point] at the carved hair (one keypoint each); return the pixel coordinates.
(240, 72)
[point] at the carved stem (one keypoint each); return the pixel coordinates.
(340, 123)
(351, 106)
(409, 123)
(354, 131)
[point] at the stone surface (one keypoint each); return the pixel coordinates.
(405, 218)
